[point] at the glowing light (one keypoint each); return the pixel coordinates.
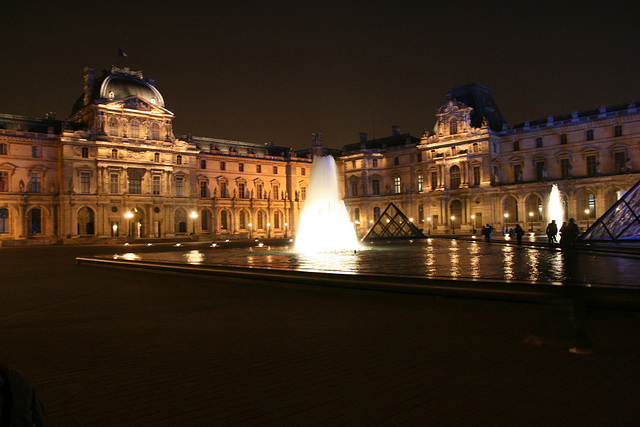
(149, 244)
(130, 256)
(556, 211)
(126, 244)
(324, 221)
(213, 245)
(177, 244)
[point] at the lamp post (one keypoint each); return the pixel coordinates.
(286, 229)
(428, 225)
(473, 224)
(587, 212)
(268, 230)
(250, 231)
(193, 215)
(531, 220)
(453, 225)
(128, 215)
(506, 219)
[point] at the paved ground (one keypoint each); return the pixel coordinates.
(109, 347)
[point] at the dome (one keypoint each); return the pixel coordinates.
(119, 86)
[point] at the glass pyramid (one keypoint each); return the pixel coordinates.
(620, 222)
(393, 225)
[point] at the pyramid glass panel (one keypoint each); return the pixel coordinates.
(621, 221)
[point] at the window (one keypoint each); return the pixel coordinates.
(375, 187)
(114, 154)
(353, 164)
(541, 170)
(113, 183)
(303, 193)
(35, 221)
(3, 149)
(420, 182)
(179, 186)
(156, 157)
(516, 145)
(241, 167)
(4, 182)
(276, 191)
(223, 190)
(592, 165)
(155, 184)
(475, 147)
(259, 191)
(178, 159)
(354, 187)
(591, 204)
(4, 220)
(538, 142)
(155, 131)
(261, 220)
(223, 166)
(420, 213)
(203, 188)
(276, 219)
(396, 161)
(565, 168)
(303, 171)
(476, 175)
(619, 161)
(113, 127)
(35, 183)
(397, 185)
(242, 223)
(275, 170)
(453, 126)
(85, 152)
(134, 129)
(203, 164)
(617, 131)
(374, 163)
(356, 215)
(135, 182)
(563, 138)
(517, 173)
(376, 213)
(420, 157)
(204, 220)
(434, 180)
(590, 135)
(258, 168)
(242, 189)
(35, 151)
(85, 182)
(454, 176)
(224, 220)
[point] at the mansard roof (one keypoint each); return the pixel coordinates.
(479, 98)
(396, 140)
(36, 125)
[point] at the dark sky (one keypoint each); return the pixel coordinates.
(279, 71)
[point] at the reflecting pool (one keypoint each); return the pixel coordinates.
(442, 258)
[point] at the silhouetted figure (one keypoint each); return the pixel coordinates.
(552, 232)
(487, 230)
(19, 405)
(569, 233)
(519, 233)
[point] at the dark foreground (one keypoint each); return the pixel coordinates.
(110, 347)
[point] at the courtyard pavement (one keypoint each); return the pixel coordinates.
(114, 347)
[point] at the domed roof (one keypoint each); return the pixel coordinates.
(119, 85)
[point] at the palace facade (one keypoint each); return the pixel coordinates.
(115, 171)
(474, 169)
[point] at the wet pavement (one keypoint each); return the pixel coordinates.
(107, 347)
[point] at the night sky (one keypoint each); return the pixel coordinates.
(279, 71)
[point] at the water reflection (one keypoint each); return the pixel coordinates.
(431, 258)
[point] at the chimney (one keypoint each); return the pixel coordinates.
(363, 137)
(88, 84)
(396, 130)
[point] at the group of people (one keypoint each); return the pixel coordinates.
(569, 232)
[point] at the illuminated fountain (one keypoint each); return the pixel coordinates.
(556, 211)
(324, 221)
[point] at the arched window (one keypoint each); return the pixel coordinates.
(591, 205)
(262, 219)
(134, 129)
(35, 221)
(204, 220)
(453, 126)
(178, 159)
(243, 220)
(114, 154)
(4, 220)
(454, 175)
(180, 219)
(86, 221)
(113, 127)
(224, 220)
(456, 211)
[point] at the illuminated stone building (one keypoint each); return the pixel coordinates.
(115, 170)
(474, 169)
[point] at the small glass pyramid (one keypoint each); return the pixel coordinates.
(393, 225)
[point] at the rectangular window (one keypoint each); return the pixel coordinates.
(541, 169)
(135, 184)
(35, 183)
(516, 145)
(420, 182)
(396, 161)
(203, 188)
(590, 135)
(178, 159)
(565, 168)
(242, 188)
(276, 192)
(354, 188)
(179, 186)
(85, 182)
(375, 187)
(223, 166)
(303, 193)
(476, 175)
(538, 142)
(4, 182)
(563, 138)
(517, 173)
(592, 167)
(85, 152)
(35, 151)
(113, 183)
(397, 185)
(3, 149)
(156, 157)
(619, 162)
(258, 168)
(241, 167)
(155, 185)
(617, 131)
(303, 171)
(275, 170)
(353, 164)
(259, 191)
(374, 163)
(434, 180)
(4, 220)
(223, 190)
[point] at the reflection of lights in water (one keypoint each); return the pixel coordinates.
(130, 256)
(344, 262)
(474, 259)
(194, 257)
(429, 263)
(454, 258)
(260, 245)
(324, 221)
(507, 256)
(533, 261)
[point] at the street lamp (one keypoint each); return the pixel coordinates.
(286, 227)
(506, 219)
(428, 225)
(250, 231)
(587, 212)
(531, 220)
(268, 230)
(473, 224)
(128, 215)
(453, 226)
(193, 217)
